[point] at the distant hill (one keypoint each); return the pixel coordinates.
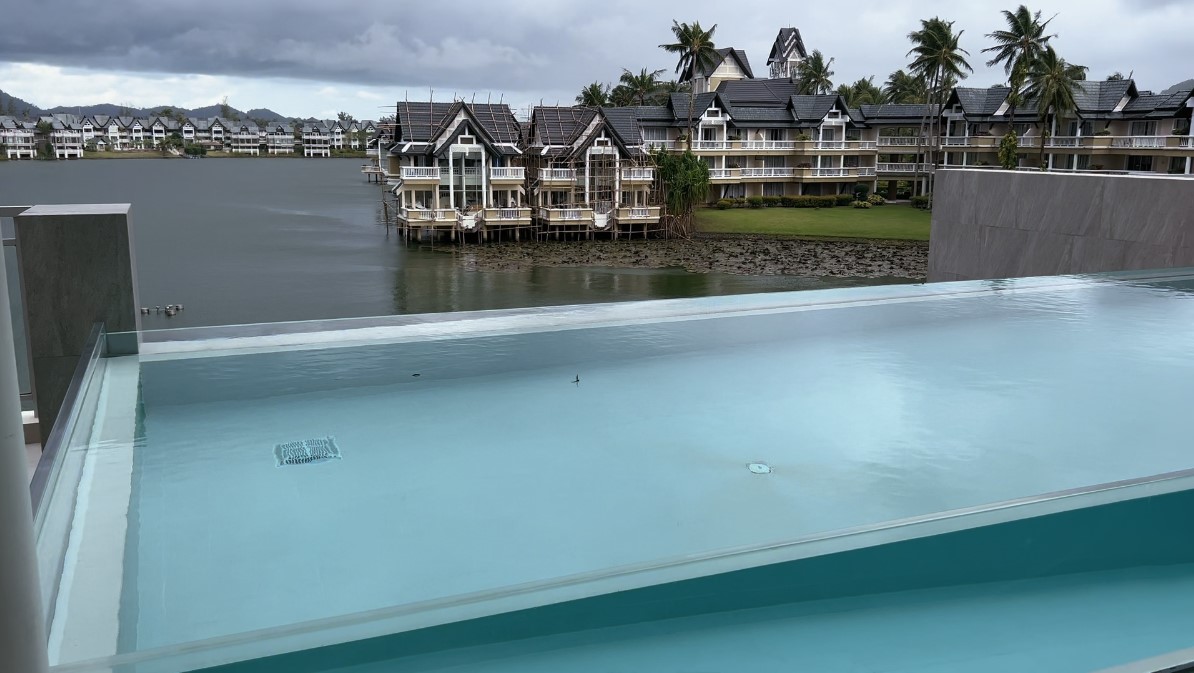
(1180, 86)
(21, 108)
(15, 107)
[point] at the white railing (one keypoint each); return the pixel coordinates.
(557, 174)
(866, 172)
(418, 214)
(831, 172)
(901, 168)
(1186, 142)
(420, 172)
(471, 171)
(640, 212)
(711, 145)
(508, 213)
(638, 173)
(956, 141)
(721, 173)
(831, 144)
(866, 144)
(660, 144)
(769, 144)
(1138, 142)
(1063, 141)
(768, 172)
(900, 141)
(557, 214)
(507, 173)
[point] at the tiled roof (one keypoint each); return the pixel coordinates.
(741, 115)
(624, 122)
(983, 102)
(813, 108)
(725, 53)
(786, 42)
(1101, 96)
(552, 125)
(701, 102)
(758, 92)
(418, 121)
(896, 113)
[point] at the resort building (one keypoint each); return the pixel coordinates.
(786, 54)
(18, 138)
(160, 128)
(66, 135)
(279, 138)
(730, 65)
(246, 138)
(588, 172)
(316, 140)
(456, 167)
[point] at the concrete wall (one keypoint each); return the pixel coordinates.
(77, 268)
(1007, 224)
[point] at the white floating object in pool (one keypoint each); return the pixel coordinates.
(759, 468)
(317, 450)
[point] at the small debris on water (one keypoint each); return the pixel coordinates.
(315, 450)
(759, 468)
(415, 375)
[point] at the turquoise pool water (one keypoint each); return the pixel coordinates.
(566, 453)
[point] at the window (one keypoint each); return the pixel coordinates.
(713, 112)
(1181, 126)
(1140, 163)
(1021, 129)
(1144, 129)
(733, 191)
(773, 162)
(850, 162)
(773, 189)
(654, 134)
(1083, 162)
(853, 134)
(775, 134)
(1177, 164)
(1064, 161)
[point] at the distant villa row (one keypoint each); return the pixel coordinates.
(69, 135)
(475, 167)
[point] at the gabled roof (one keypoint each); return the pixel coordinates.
(624, 122)
(896, 113)
(786, 43)
(815, 108)
(979, 102)
(563, 127)
(729, 52)
(1102, 97)
(1158, 105)
(418, 122)
(678, 102)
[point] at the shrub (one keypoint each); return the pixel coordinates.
(755, 201)
(788, 201)
(921, 201)
(771, 201)
(803, 137)
(740, 202)
(862, 204)
(876, 200)
(724, 204)
(843, 199)
(860, 192)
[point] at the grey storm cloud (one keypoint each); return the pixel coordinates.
(528, 45)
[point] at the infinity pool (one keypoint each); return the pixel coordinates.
(492, 462)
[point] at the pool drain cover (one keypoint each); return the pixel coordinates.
(307, 451)
(759, 468)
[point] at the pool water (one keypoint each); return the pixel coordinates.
(580, 443)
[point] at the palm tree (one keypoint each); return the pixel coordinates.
(1052, 83)
(643, 85)
(939, 60)
(1017, 48)
(666, 89)
(621, 96)
(697, 55)
(862, 92)
(594, 95)
(813, 75)
(902, 87)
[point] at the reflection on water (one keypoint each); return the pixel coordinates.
(242, 240)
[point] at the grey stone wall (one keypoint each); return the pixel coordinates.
(77, 268)
(1007, 224)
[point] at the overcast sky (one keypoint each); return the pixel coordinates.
(308, 57)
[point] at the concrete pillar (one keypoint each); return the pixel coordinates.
(22, 620)
(452, 180)
(95, 243)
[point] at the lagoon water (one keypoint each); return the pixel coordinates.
(264, 240)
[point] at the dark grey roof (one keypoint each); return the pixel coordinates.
(701, 102)
(758, 92)
(1157, 105)
(725, 53)
(654, 113)
(980, 102)
(421, 121)
(893, 113)
(786, 42)
(856, 116)
(624, 122)
(814, 108)
(551, 125)
(1102, 96)
(744, 116)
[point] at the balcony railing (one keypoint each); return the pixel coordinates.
(1186, 142)
(557, 174)
(866, 171)
(779, 172)
(711, 145)
(638, 213)
(638, 174)
(660, 144)
(565, 215)
(507, 214)
(1064, 141)
(466, 171)
(1138, 142)
(830, 144)
(832, 172)
(901, 168)
(722, 173)
(507, 173)
(771, 145)
(901, 141)
(420, 173)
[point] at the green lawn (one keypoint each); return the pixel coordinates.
(899, 222)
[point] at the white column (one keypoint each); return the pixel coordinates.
(485, 200)
(452, 180)
(22, 621)
(1188, 165)
(588, 176)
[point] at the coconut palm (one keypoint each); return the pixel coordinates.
(643, 85)
(666, 89)
(813, 75)
(862, 92)
(697, 55)
(1052, 83)
(621, 96)
(595, 94)
(1017, 48)
(940, 61)
(903, 87)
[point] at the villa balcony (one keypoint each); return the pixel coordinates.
(724, 174)
(428, 217)
(901, 168)
(638, 174)
(767, 173)
(507, 174)
(637, 214)
(566, 216)
(420, 174)
(507, 216)
(843, 145)
(1140, 142)
(557, 175)
(769, 145)
(665, 145)
(707, 145)
(901, 141)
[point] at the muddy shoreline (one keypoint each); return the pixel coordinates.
(741, 254)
